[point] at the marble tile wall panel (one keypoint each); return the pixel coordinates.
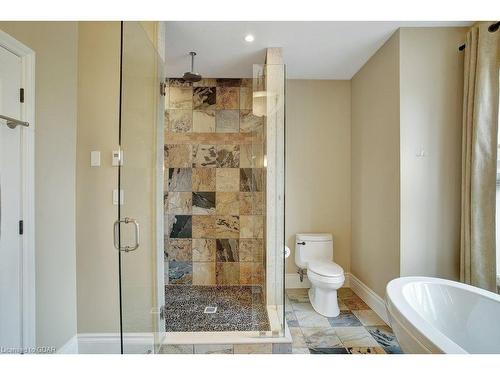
(227, 250)
(179, 202)
(251, 250)
(228, 82)
(179, 249)
(251, 273)
(246, 98)
(204, 273)
(247, 82)
(227, 179)
(180, 272)
(178, 155)
(214, 183)
(203, 226)
(227, 273)
(228, 97)
(181, 97)
(204, 97)
(227, 121)
(204, 156)
(203, 203)
(228, 156)
(180, 226)
(212, 138)
(203, 179)
(251, 203)
(227, 227)
(251, 156)
(180, 120)
(227, 203)
(179, 179)
(249, 122)
(204, 121)
(204, 250)
(251, 179)
(251, 226)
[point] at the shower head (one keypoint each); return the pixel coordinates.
(192, 76)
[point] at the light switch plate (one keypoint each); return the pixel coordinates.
(95, 158)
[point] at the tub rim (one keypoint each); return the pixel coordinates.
(406, 314)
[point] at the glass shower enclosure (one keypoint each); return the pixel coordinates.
(200, 224)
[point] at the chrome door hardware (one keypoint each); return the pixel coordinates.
(127, 220)
(12, 122)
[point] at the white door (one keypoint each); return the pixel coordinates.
(10, 204)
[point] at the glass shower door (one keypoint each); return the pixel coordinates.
(138, 227)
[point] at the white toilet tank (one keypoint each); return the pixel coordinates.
(312, 246)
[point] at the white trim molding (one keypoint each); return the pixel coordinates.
(372, 299)
(292, 281)
(108, 343)
(28, 299)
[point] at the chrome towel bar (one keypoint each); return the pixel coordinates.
(12, 122)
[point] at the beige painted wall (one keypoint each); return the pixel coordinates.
(431, 76)
(405, 207)
(375, 168)
(55, 45)
(318, 164)
(98, 110)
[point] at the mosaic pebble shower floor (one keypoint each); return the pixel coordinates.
(239, 308)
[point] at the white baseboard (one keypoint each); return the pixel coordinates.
(292, 281)
(372, 299)
(108, 343)
(70, 347)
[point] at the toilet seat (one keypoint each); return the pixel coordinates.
(326, 269)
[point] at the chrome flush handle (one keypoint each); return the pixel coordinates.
(116, 234)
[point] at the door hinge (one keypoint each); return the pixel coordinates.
(162, 312)
(163, 88)
(21, 95)
(21, 227)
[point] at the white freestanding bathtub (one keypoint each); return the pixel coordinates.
(430, 315)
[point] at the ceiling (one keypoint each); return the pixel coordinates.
(311, 50)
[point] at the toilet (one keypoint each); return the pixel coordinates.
(314, 253)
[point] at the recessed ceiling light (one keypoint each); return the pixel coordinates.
(249, 38)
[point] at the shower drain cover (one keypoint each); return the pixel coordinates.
(210, 310)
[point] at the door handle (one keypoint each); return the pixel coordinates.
(116, 234)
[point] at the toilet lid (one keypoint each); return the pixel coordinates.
(325, 268)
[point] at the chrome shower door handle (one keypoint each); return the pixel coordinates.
(116, 234)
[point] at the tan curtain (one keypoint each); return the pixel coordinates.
(479, 154)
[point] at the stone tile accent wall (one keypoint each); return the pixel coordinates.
(214, 199)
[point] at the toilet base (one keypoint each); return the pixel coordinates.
(324, 301)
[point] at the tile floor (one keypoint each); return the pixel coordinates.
(357, 330)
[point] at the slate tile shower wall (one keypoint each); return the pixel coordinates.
(214, 199)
